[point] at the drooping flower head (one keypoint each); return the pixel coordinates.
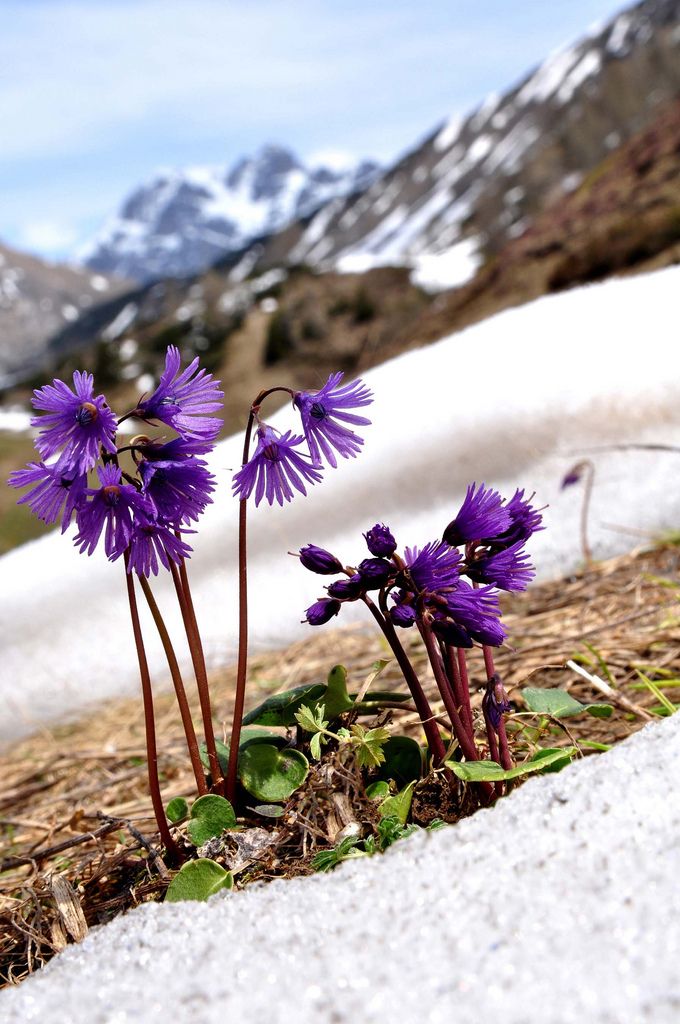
(77, 423)
(179, 489)
(433, 567)
(481, 515)
(507, 568)
(325, 415)
(111, 507)
(184, 400)
(319, 560)
(380, 541)
(153, 544)
(322, 611)
(53, 492)
(478, 612)
(525, 520)
(275, 468)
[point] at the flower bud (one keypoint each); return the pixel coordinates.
(375, 572)
(319, 560)
(380, 541)
(403, 615)
(347, 590)
(322, 611)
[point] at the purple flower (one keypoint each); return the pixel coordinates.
(178, 490)
(324, 415)
(451, 632)
(525, 521)
(434, 567)
(113, 506)
(403, 615)
(319, 560)
(322, 611)
(477, 611)
(380, 541)
(53, 492)
(495, 701)
(79, 423)
(481, 515)
(274, 466)
(153, 543)
(508, 568)
(347, 590)
(375, 572)
(172, 451)
(183, 400)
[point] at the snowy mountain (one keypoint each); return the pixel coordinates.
(185, 220)
(37, 300)
(477, 181)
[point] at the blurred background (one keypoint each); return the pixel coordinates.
(289, 189)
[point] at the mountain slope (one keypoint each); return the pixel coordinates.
(477, 182)
(37, 300)
(183, 221)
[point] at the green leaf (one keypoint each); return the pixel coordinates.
(211, 815)
(667, 706)
(560, 704)
(315, 746)
(378, 790)
(197, 880)
(328, 859)
(490, 771)
(269, 810)
(280, 708)
(311, 719)
(374, 701)
(399, 805)
(593, 745)
(369, 744)
(337, 699)
(403, 760)
(247, 736)
(272, 775)
(177, 810)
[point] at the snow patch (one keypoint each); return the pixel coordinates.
(448, 134)
(435, 272)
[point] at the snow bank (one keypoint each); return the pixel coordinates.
(558, 905)
(512, 401)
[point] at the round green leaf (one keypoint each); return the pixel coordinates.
(403, 760)
(197, 880)
(210, 816)
(177, 809)
(269, 774)
(281, 707)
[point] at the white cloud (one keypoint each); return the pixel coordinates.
(46, 236)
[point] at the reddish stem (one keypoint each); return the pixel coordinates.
(434, 740)
(150, 728)
(505, 755)
(178, 683)
(461, 691)
(198, 661)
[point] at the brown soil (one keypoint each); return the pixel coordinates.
(78, 836)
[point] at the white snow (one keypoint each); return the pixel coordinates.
(616, 44)
(121, 322)
(15, 419)
(588, 66)
(449, 269)
(449, 133)
(558, 905)
(511, 401)
(549, 76)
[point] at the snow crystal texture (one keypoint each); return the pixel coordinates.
(560, 905)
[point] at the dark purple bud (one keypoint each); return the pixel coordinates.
(347, 590)
(403, 615)
(322, 611)
(573, 476)
(495, 702)
(451, 633)
(380, 541)
(375, 572)
(319, 560)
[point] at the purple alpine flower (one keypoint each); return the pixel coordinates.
(477, 610)
(481, 515)
(375, 572)
(53, 492)
(403, 615)
(525, 521)
(179, 491)
(433, 567)
(78, 422)
(495, 701)
(153, 543)
(178, 448)
(319, 560)
(324, 415)
(380, 541)
(451, 632)
(184, 399)
(508, 568)
(347, 590)
(113, 506)
(322, 611)
(274, 466)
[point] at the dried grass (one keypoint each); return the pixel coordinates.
(74, 809)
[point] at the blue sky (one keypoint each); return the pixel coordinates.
(96, 95)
